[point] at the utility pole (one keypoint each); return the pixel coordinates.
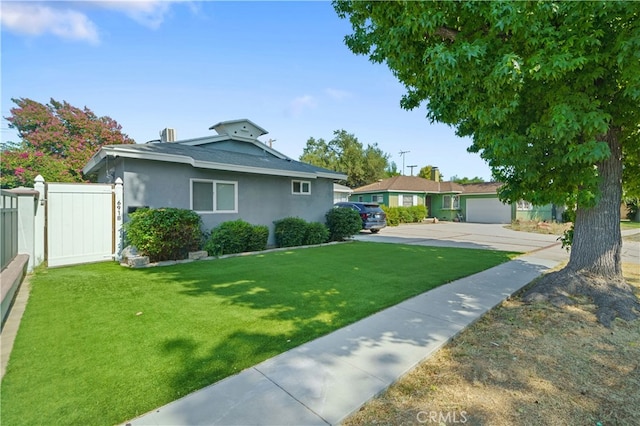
(412, 167)
(271, 141)
(402, 153)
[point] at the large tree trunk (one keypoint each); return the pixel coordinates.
(597, 242)
(595, 267)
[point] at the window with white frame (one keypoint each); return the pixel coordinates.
(214, 196)
(450, 202)
(409, 200)
(377, 199)
(300, 187)
(524, 205)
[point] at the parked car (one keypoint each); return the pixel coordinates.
(373, 217)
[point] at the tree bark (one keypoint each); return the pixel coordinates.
(597, 241)
(595, 265)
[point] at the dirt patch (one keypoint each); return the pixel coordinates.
(633, 237)
(524, 364)
(552, 228)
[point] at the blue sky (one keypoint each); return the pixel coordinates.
(188, 65)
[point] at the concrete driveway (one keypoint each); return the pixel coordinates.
(483, 236)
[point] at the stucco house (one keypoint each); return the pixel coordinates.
(451, 201)
(227, 176)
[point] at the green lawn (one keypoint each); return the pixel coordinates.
(627, 224)
(100, 344)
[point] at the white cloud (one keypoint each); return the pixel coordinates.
(37, 19)
(67, 19)
(301, 103)
(338, 94)
(150, 13)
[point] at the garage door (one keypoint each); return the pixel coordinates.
(488, 210)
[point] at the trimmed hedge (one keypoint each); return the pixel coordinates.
(165, 233)
(290, 231)
(317, 233)
(294, 231)
(236, 236)
(398, 215)
(343, 223)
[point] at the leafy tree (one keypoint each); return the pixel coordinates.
(344, 153)
(57, 140)
(391, 170)
(549, 93)
(465, 180)
(427, 172)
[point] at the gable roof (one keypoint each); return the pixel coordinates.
(409, 184)
(481, 188)
(211, 158)
(421, 185)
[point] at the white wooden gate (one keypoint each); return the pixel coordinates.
(83, 222)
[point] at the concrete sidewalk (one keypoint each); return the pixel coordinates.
(324, 381)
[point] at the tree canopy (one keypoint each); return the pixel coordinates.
(465, 180)
(57, 140)
(549, 92)
(344, 153)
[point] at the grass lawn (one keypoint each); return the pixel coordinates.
(627, 224)
(101, 344)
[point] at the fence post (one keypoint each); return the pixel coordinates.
(39, 222)
(118, 222)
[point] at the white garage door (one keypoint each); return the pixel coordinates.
(487, 210)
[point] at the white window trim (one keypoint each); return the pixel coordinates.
(523, 205)
(215, 207)
(301, 182)
(451, 198)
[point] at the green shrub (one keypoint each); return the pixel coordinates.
(405, 215)
(236, 236)
(257, 241)
(418, 213)
(393, 217)
(317, 233)
(290, 232)
(343, 223)
(398, 215)
(165, 233)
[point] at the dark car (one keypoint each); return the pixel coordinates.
(373, 217)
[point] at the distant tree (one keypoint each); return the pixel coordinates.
(548, 92)
(427, 172)
(391, 170)
(57, 140)
(465, 180)
(344, 153)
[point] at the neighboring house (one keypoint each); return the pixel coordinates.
(451, 201)
(341, 193)
(223, 177)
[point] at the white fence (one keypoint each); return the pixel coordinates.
(70, 223)
(81, 222)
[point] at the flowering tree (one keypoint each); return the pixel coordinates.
(57, 140)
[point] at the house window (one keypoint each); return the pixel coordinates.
(450, 202)
(360, 198)
(214, 196)
(407, 200)
(301, 187)
(377, 199)
(524, 205)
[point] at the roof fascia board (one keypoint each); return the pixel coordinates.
(183, 159)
